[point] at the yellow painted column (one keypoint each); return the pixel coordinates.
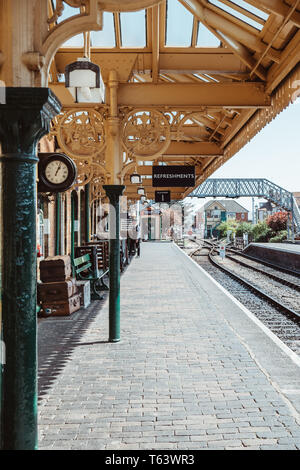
(20, 34)
(113, 145)
(113, 191)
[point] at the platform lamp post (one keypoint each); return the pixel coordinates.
(292, 218)
(113, 193)
(24, 118)
(87, 212)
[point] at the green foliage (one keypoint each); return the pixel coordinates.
(266, 231)
(230, 224)
(243, 227)
(279, 237)
(261, 232)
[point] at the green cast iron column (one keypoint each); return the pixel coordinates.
(57, 220)
(72, 227)
(24, 119)
(114, 192)
(87, 212)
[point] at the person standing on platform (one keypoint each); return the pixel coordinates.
(138, 240)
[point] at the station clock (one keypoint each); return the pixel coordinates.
(56, 171)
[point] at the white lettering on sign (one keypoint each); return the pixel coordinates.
(2, 92)
(46, 227)
(165, 175)
(2, 352)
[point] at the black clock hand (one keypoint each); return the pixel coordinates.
(58, 169)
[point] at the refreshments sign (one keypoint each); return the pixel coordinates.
(173, 175)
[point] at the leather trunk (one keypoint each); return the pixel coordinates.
(55, 269)
(54, 291)
(62, 307)
(84, 289)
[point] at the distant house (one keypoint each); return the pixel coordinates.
(264, 210)
(218, 211)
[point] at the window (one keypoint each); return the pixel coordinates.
(206, 38)
(106, 37)
(133, 29)
(67, 13)
(179, 25)
(237, 10)
(75, 41)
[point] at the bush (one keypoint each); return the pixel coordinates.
(278, 221)
(280, 237)
(243, 227)
(223, 227)
(261, 232)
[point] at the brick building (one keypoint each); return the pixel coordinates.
(218, 211)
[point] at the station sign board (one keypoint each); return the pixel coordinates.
(173, 175)
(222, 251)
(162, 196)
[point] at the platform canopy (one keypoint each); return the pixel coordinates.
(188, 82)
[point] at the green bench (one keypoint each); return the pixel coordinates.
(86, 270)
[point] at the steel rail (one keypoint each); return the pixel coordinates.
(266, 263)
(270, 275)
(287, 311)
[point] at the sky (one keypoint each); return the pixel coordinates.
(274, 154)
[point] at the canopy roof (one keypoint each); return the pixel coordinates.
(217, 68)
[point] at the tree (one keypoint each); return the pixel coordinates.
(243, 227)
(223, 227)
(261, 232)
(278, 221)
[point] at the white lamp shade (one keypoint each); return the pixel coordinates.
(84, 81)
(135, 178)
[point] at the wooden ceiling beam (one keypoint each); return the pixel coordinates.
(155, 43)
(230, 95)
(222, 60)
(193, 148)
(278, 7)
(235, 31)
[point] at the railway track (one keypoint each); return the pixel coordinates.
(281, 316)
(291, 279)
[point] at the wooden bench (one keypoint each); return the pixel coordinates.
(86, 269)
(103, 253)
(102, 247)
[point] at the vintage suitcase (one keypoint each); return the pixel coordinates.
(84, 289)
(55, 269)
(53, 291)
(62, 307)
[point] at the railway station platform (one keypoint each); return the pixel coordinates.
(285, 255)
(194, 369)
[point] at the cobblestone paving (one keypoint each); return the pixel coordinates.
(179, 379)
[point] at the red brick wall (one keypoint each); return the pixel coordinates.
(239, 217)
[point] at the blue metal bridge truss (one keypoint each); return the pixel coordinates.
(250, 187)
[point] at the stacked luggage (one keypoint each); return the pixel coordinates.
(58, 293)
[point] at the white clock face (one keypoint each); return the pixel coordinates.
(56, 172)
